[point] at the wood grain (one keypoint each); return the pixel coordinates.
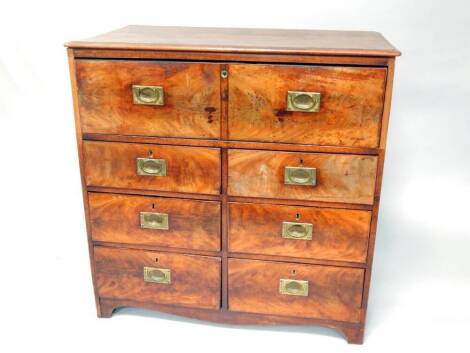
(192, 224)
(189, 169)
(191, 90)
(195, 280)
(335, 293)
(338, 235)
(246, 40)
(340, 178)
(350, 110)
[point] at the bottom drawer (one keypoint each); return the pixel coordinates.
(155, 277)
(314, 291)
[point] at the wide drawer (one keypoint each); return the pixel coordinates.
(152, 167)
(323, 292)
(269, 174)
(158, 221)
(168, 98)
(155, 277)
(294, 231)
(327, 105)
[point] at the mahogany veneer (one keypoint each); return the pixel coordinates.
(233, 175)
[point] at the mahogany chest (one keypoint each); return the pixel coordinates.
(233, 175)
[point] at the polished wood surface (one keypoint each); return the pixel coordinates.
(249, 40)
(189, 169)
(338, 235)
(335, 293)
(201, 154)
(195, 280)
(350, 109)
(193, 224)
(340, 178)
(191, 98)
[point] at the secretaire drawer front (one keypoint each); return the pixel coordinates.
(155, 221)
(303, 232)
(155, 277)
(323, 292)
(152, 167)
(321, 105)
(302, 176)
(154, 98)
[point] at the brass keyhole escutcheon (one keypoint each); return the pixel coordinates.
(224, 73)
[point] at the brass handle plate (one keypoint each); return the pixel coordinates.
(151, 167)
(300, 176)
(154, 220)
(148, 95)
(157, 275)
(293, 287)
(308, 102)
(295, 230)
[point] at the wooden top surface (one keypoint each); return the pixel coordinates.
(242, 40)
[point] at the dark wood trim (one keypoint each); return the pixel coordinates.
(370, 60)
(78, 130)
(351, 331)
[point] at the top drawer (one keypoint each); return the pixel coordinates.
(347, 104)
(190, 106)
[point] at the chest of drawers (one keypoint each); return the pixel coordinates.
(233, 175)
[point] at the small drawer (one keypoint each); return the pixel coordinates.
(302, 176)
(160, 278)
(303, 232)
(320, 105)
(322, 292)
(151, 98)
(152, 167)
(155, 221)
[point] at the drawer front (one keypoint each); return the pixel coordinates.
(161, 278)
(347, 104)
(305, 232)
(158, 221)
(171, 168)
(323, 292)
(188, 107)
(337, 177)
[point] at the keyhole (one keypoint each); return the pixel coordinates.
(297, 216)
(156, 259)
(153, 205)
(301, 162)
(150, 154)
(293, 272)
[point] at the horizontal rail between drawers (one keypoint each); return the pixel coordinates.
(270, 258)
(203, 197)
(252, 145)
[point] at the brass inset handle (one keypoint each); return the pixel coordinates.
(154, 220)
(151, 167)
(300, 176)
(294, 230)
(293, 287)
(303, 101)
(150, 95)
(157, 275)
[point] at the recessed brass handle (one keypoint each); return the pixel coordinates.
(157, 275)
(295, 230)
(300, 176)
(303, 101)
(293, 287)
(151, 167)
(150, 95)
(154, 220)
